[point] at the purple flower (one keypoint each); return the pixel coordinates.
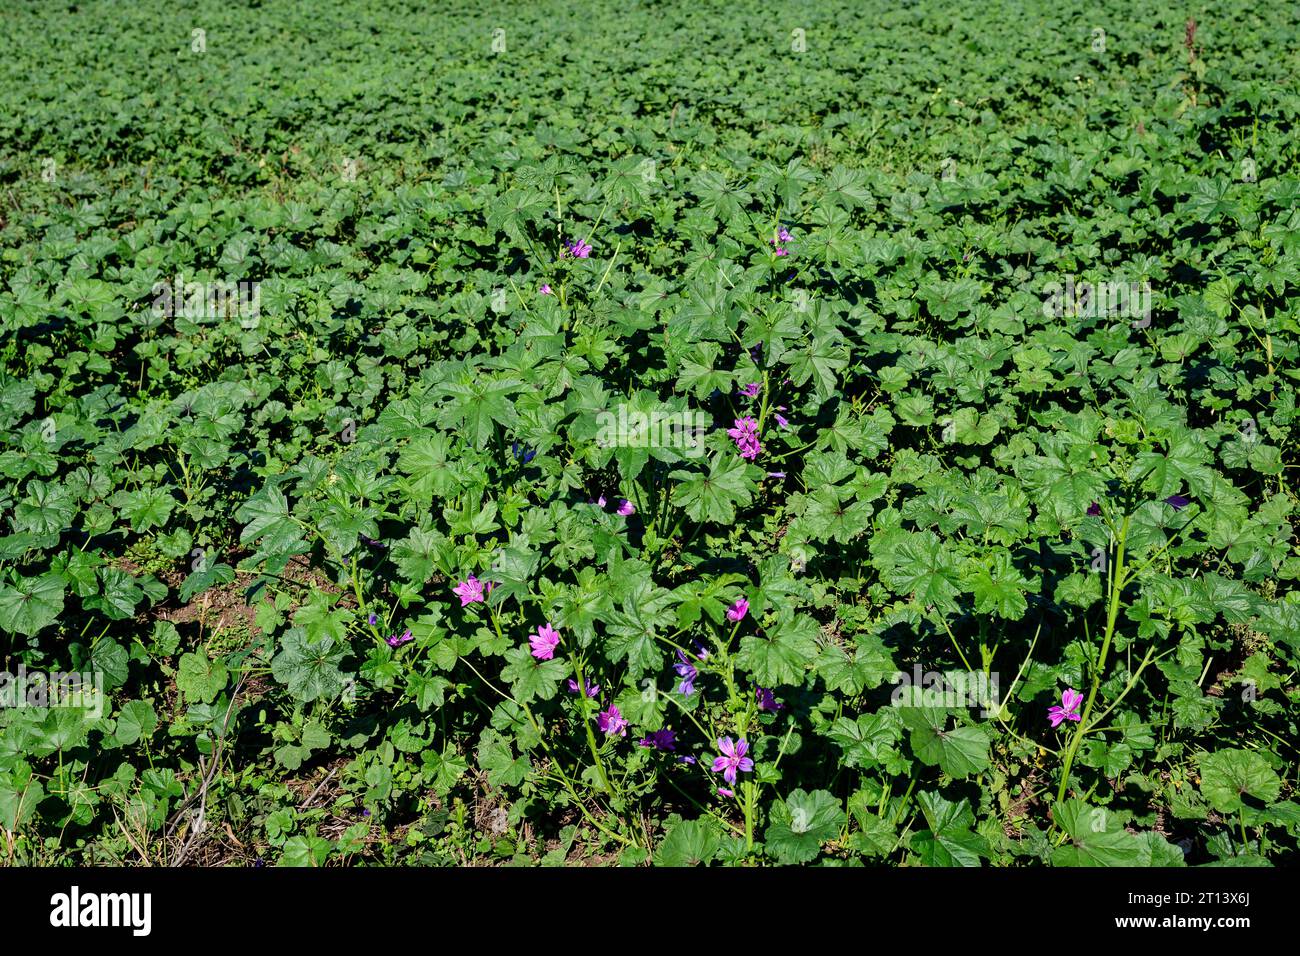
(372, 620)
(1178, 502)
(767, 700)
(751, 390)
(601, 501)
(732, 758)
(546, 289)
(1094, 510)
(723, 791)
(612, 722)
(470, 591)
(1069, 709)
(544, 642)
(687, 672)
(782, 235)
(745, 435)
(396, 641)
(523, 454)
(592, 689)
(626, 508)
(776, 474)
(738, 610)
(687, 760)
(579, 249)
(660, 740)
(781, 419)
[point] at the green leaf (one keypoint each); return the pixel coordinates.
(199, 678)
(1097, 838)
(688, 843)
(960, 752)
(1228, 775)
(32, 605)
(309, 668)
(949, 841)
(801, 824)
(714, 497)
(136, 721)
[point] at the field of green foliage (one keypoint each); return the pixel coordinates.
(665, 433)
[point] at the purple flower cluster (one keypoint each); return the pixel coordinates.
(745, 435)
(782, 235)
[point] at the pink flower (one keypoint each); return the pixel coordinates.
(782, 235)
(1069, 709)
(732, 758)
(751, 390)
(738, 610)
(745, 435)
(544, 642)
(612, 722)
(626, 508)
(579, 249)
(396, 641)
(601, 501)
(724, 792)
(546, 289)
(470, 591)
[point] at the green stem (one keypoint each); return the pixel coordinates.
(1117, 581)
(585, 702)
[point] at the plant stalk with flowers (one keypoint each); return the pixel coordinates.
(1120, 573)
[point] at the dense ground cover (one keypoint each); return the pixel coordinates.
(749, 369)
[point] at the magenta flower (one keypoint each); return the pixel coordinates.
(396, 641)
(738, 610)
(724, 792)
(612, 722)
(579, 249)
(1178, 502)
(626, 508)
(470, 591)
(1069, 709)
(782, 235)
(751, 390)
(592, 689)
(745, 435)
(732, 758)
(1094, 510)
(660, 740)
(546, 289)
(544, 642)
